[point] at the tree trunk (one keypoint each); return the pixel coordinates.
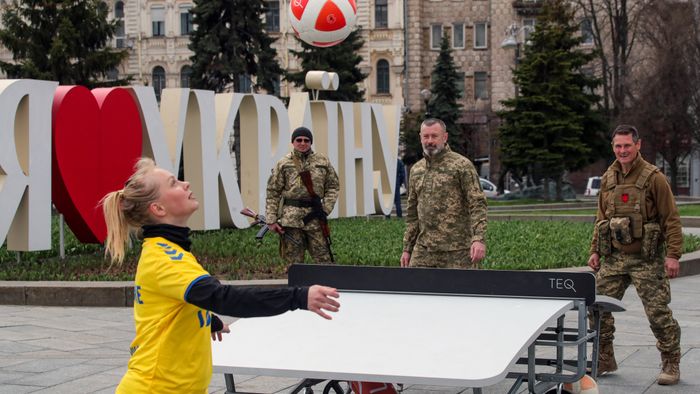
(673, 166)
(559, 189)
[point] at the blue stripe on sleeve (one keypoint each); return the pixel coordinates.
(192, 284)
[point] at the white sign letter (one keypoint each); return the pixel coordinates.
(25, 164)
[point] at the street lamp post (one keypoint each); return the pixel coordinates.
(512, 40)
(425, 94)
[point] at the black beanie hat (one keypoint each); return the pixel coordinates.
(302, 132)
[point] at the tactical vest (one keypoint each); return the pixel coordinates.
(629, 200)
(625, 206)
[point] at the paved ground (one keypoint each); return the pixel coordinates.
(85, 350)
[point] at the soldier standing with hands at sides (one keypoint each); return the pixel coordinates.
(301, 193)
(446, 214)
(173, 294)
(638, 231)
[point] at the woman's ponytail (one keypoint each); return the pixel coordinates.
(126, 210)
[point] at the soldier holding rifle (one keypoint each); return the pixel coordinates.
(301, 193)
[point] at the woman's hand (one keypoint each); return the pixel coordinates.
(216, 336)
(323, 298)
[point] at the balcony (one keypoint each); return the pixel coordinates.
(527, 7)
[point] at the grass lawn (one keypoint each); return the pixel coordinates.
(235, 254)
(525, 201)
(684, 210)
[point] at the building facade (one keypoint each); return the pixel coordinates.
(156, 34)
(401, 45)
(476, 30)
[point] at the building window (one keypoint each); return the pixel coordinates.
(112, 74)
(277, 87)
(682, 179)
(185, 20)
(119, 35)
(383, 77)
(245, 83)
(587, 32)
(458, 35)
(272, 16)
(435, 36)
(185, 75)
(481, 89)
(158, 78)
(119, 10)
(381, 13)
(480, 35)
(528, 28)
(589, 73)
(158, 21)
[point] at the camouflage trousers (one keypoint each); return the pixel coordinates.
(421, 257)
(620, 270)
(308, 238)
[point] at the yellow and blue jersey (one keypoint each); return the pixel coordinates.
(171, 352)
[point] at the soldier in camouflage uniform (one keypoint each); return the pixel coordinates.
(638, 231)
(288, 200)
(446, 213)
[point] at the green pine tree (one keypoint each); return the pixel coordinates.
(342, 59)
(410, 137)
(229, 44)
(445, 93)
(60, 40)
(552, 125)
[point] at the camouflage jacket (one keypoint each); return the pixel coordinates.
(446, 206)
(285, 182)
(660, 205)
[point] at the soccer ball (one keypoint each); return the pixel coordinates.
(322, 23)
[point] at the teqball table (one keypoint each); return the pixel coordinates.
(441, 327)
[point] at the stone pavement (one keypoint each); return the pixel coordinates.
(85, 350)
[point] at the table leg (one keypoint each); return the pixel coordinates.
(230, 385)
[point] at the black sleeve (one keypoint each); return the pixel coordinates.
(208, 293)
(216, 323)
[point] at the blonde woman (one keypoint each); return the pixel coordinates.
(173, 295)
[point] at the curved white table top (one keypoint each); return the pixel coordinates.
(447, 340)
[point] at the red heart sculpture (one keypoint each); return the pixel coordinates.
(96, 142)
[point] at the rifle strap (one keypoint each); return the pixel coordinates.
(304, 175)
(306, 180)
(308, 184)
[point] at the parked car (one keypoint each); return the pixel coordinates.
(593, 186)
(537, 192)
(490, 190)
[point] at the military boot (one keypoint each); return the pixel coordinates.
(670, 369)
(606, 359)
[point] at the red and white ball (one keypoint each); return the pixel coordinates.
(586, 385)
(322, 23)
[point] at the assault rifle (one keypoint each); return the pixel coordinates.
(317, 211)
(264, 228)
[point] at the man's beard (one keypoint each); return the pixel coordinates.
(432, 151)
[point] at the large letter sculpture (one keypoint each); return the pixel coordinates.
(99, 135)
(264, 140)
(25, 167)
(97, 141)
